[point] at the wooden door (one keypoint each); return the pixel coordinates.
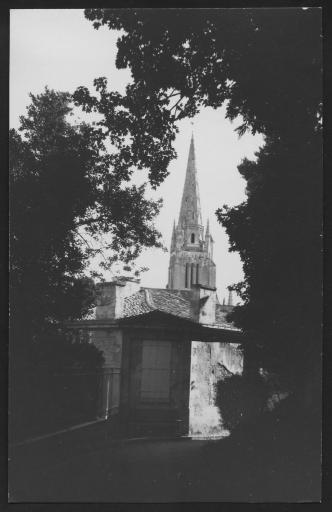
(156, 368)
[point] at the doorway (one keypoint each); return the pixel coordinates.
(156, 367)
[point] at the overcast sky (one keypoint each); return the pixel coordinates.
(61, 49)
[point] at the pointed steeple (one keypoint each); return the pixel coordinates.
(173, 240)
(191, 259)
(190, 212)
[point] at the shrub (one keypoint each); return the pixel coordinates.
(240, 398)
(53, 385)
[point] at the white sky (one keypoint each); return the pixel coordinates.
(61, 49)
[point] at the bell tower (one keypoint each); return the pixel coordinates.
(191, 250)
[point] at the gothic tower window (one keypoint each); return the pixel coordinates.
(192, 277)
(192, 238)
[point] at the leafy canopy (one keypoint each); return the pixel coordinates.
(64, 195)
(266, 65)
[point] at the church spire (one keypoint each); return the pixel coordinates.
(191, 259)
(190, 212)
(173, 240)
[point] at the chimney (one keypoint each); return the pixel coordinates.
(111, 295)
(205, 299)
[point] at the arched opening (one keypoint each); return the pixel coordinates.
(192, 278)
(192, 238)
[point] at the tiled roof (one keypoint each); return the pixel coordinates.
(174, 302)
(136, 304)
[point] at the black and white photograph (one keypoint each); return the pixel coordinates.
(165, 228)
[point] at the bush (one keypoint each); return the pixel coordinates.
(53, 384)
(240, 398)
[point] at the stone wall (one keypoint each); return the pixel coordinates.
(111, 295)
(110, 343)
(177, 269)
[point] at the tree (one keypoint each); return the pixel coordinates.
(266, 65)
(63, 194)
(65, 198)
(277, 233)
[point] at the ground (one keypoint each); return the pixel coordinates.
(264, 464)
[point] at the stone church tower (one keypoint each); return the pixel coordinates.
(191, 250)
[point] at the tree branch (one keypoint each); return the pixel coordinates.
(171, 95)
(175, 105)
(88, 222)
(89, 245)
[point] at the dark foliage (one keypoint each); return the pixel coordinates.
(266, 65)
(63, 191)
(241, 399)
(46, 399)
(277, 458)
(277, 233)
(265, 62)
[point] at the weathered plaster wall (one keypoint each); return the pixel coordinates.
(229, 355)
(208, 364)
(204, 417)
(207, 311)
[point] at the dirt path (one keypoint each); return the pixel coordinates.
(261, 463)
(140, 471)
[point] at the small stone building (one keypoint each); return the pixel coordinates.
(165, 349)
